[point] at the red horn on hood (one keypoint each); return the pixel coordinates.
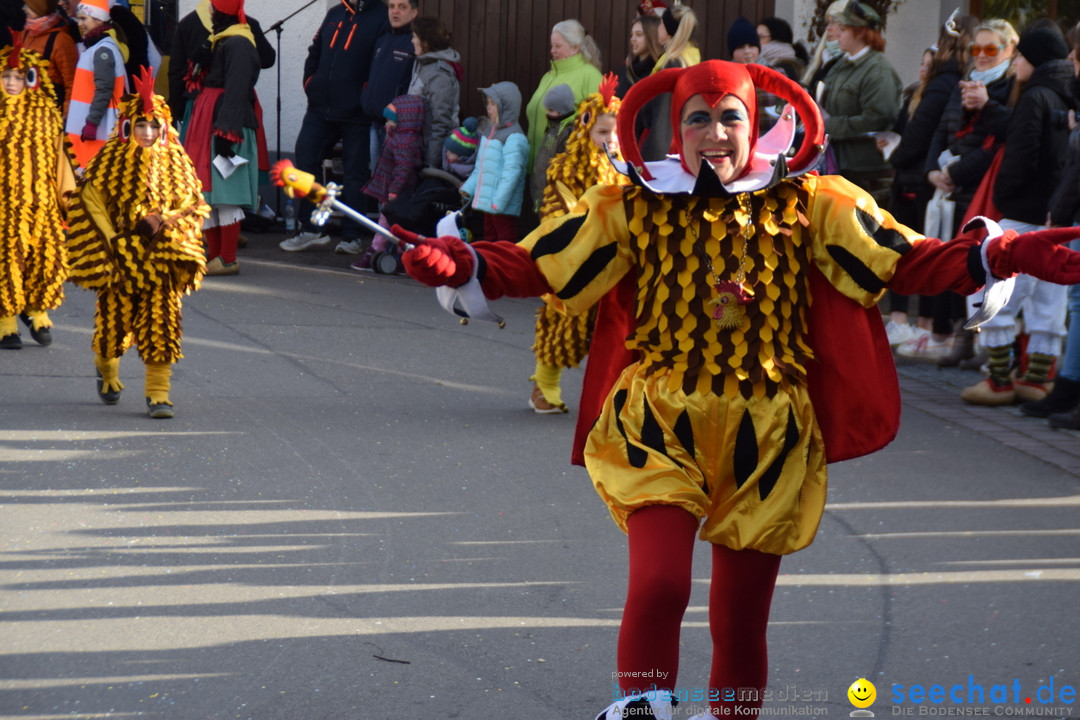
(144, 86)
(639, 94)
(16, 49)
(783, 87)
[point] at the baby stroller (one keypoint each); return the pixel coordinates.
(435, 195)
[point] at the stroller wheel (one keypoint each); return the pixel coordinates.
(386, 263)
(375, 263)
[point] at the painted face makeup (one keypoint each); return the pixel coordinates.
(719, 136)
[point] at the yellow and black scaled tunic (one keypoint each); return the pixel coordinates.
(140, 281)
(716, 417)
(35, 171)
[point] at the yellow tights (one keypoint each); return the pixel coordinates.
(158, 382)
(547, 378)
(110, 373)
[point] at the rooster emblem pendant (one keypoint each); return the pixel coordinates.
(729, 305)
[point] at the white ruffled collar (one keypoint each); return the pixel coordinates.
(767, 166)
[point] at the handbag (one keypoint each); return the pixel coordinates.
(982, 203)
(940, 212)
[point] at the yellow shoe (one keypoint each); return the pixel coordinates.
(988, 392)
(217, 266)
(1028, 391)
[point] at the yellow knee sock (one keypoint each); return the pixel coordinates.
(38, 319)
(547, 377)
(8, 326)
(110, 373)
(158, 383)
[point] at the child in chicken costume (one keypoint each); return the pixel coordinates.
(136, 240)
(562, 338)
(737, 351)
(35, 176)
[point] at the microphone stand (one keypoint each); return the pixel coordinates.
(277, 28)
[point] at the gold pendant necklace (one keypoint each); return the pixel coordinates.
(732, 296)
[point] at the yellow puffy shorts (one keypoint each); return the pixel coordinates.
(753, 470)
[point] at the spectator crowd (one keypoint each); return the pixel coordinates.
(987, 129)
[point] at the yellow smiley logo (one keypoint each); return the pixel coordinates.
(862, 693)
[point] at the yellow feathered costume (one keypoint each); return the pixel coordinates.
(35, 175)
(562, 340)
(136, 239)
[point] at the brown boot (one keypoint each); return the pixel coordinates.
(976, 361)
(963, 348)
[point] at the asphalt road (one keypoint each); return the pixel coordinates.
(355, 515)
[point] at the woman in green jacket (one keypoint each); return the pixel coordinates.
(575, 61)
(862, 96)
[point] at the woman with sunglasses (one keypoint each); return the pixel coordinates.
(916, 125)
(959, 154)
(1036, 139)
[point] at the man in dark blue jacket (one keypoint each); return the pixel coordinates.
(391, 71)
(337, 68)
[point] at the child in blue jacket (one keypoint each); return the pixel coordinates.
(497, 184)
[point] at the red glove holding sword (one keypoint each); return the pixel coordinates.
(436, 261)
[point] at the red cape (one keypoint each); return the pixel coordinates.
(852, 380)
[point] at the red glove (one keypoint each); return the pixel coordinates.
(89, 131)
(436, 261)
(1038, 254)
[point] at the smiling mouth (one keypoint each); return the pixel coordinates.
(714, 157)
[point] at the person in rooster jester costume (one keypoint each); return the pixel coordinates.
(562, 338)
(136, 239)
(737, 292)
(36, 177)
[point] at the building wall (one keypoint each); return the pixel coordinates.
(911, 30)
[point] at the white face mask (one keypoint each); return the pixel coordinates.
(832, 47)
(993, 74)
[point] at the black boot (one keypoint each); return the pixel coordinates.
(42, 336)
(1067, 420)
(1064, 396)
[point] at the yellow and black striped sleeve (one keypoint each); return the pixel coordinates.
(583, 254)
(91, 261)
(856, 244)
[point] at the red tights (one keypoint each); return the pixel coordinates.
(661, 550)
(221, 242)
